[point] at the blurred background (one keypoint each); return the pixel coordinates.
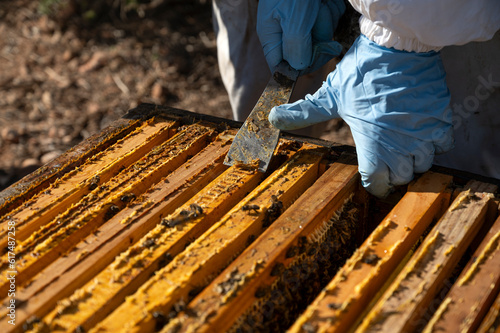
(70, 67)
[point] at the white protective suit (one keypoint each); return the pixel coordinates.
(465, 31)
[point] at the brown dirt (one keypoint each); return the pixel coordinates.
(62, 81)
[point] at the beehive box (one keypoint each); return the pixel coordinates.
(141, 228)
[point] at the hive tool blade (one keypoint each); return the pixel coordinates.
(257, 138)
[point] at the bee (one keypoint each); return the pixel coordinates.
(113, 209)
(128, 197)
(196, 210)
(334, 306)
(273, 212)
(165, 259)
(276, 206)
(184, 215)
(254, 208)
(277, 269)
(292, 251)
(222, 127)
(94, 182)
(172, 222)
(250, 239)
(160, 320)
(190, 312)
(221, 289)
(371, 259)
(313, 249)
(28, 325)
(342, 238)
(287, 276)
(184, 212)
(179, 306)
(268, 309)
(302, 244)
(352, 213)
(149, 243)
(20, 303)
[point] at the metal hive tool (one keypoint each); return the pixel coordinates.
(142, 228)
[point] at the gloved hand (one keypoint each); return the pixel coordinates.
(299, 31)
(396, 104)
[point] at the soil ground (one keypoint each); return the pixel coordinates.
(62, 81)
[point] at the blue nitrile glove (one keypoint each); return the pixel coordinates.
(299, 31)
(396, 104)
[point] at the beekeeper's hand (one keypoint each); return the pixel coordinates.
(396, 104)
(299, 31)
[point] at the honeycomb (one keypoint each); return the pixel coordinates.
(142, 228)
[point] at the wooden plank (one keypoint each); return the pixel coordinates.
(98, 250)
(214, 250)
(233, 292)
(136, 265)
(491, 322)
(404, 303)
(66, 191)
(40, 179)
(79, 220)
(353, 288)
(475, 290)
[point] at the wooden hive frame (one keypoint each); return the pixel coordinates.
(141, 228)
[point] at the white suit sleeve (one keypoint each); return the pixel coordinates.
(426, 25)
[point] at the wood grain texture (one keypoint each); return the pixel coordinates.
(133, 267)
(211, 252)
(472, 295)
(353, 288)
(403, 305)
(98, 250)
(82, 218)
(217, 313)
(64, 192)
(491, 322)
